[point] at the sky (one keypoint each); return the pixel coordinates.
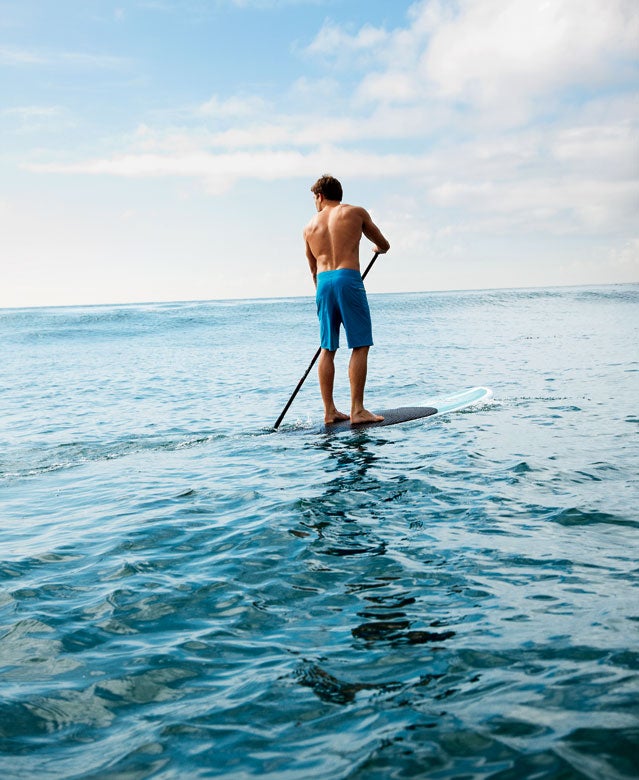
(164, 150)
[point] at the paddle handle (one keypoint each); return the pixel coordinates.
(313, 361)
(370, 265)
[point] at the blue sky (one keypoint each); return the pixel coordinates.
(164, 149)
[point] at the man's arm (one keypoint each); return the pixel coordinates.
(312, 260)
(374, 234)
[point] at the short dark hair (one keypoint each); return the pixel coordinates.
(329, 187)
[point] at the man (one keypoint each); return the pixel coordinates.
(332, 247)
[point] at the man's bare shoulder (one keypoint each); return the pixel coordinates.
(353, 212)
(310, 225)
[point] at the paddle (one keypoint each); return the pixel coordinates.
(313, 361)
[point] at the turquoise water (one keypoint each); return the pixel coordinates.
(186, 594)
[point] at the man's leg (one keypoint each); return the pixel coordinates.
(357, 370)
(326, 374)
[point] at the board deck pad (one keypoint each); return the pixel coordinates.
(391, 417)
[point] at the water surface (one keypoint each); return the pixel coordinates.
(187, 594)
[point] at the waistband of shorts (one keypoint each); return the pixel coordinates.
(341, 272)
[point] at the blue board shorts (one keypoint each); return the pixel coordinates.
(341, 299)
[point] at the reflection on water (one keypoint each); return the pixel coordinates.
(334, 514)
(343, 520)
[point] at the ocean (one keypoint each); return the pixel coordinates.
(187, 594)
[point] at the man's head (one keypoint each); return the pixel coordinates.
(328, 187)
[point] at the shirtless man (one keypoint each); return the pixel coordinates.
(332, 247)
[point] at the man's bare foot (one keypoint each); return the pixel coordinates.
(365, 417)
(335, 416)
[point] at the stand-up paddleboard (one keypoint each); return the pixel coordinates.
(435, 406)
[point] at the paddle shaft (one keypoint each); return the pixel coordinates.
(313, 361)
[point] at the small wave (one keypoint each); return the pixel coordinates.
(127, 321)
(71, 455)
(576, 516)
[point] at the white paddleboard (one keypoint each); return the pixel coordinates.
(432, 406)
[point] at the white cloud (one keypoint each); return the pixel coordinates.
(608, 150)
(199, 8)
(561, 206)
(494, 51)
(15, 56)
(627, 257)
(404, 221)
(34, 119)
(261, 165)
(262, 4)
(333, 40)
(32, 112)
(503, 59)
(454, 94)
(393, 86)
(312, 90)
(11, 55)
(233, 107)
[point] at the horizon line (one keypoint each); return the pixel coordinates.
(300, 297)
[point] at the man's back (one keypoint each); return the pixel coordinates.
(333, 236)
